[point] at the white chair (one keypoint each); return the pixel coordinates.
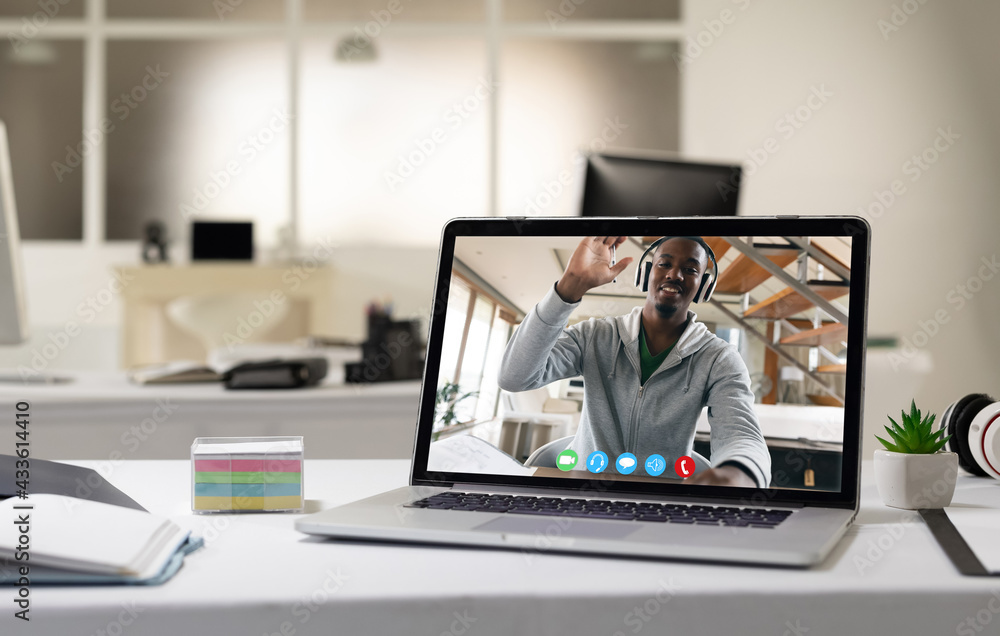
(210, 317)
(531, 419)
(545, 457)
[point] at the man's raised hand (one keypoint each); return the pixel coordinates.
(590, 267)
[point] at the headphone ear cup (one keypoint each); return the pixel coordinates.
(962, 414)
(643, 268)
(702, 289)
(709, 289)
(947, 422)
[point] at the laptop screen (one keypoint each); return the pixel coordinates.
(655, 360)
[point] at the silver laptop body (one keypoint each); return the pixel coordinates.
(815, 462)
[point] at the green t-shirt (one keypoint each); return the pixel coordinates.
(647, 361)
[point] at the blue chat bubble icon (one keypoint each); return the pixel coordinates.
(626, 463)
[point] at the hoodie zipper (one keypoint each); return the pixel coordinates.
(638, 408)
(637, 405)
(629, 440)
(634, 429)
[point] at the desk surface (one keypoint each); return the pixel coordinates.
(257, 575)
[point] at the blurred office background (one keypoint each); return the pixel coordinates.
(366, 124)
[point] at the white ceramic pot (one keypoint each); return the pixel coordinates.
(912, 482)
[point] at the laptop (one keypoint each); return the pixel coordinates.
(676, 388)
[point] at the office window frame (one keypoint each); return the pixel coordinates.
(501, 317)
(95, 29)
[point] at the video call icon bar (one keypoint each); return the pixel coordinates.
(625, 464)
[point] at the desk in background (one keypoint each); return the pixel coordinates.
(257, 575)
(103, 416)
(149, 336)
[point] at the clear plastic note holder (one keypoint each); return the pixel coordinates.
(247, 474)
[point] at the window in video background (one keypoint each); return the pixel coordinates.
(795, 394)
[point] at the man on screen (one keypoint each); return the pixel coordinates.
(646, 374)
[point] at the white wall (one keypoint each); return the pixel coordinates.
(890, 96)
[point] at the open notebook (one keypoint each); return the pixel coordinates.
(72, 540)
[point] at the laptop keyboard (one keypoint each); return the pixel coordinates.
(604, 509)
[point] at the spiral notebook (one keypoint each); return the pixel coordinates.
(69, 540)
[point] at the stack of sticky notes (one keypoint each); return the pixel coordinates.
(247, 474)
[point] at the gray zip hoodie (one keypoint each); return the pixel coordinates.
(621, 416)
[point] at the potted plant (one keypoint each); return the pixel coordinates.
(912, 472)
(447, 400)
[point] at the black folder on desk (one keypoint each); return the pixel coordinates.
(954, 544)
(55, 478)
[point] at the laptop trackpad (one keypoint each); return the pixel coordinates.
(564, 526)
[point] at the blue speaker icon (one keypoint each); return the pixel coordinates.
(655, 465)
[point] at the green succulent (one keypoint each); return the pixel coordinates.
(916, 436)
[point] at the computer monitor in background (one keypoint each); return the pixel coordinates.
(13, 311)
(618, 185)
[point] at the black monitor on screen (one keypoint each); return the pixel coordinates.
(222, 241)
(618, 185)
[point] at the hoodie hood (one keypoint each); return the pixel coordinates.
(696, 335)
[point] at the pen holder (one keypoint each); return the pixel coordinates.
(247, 474)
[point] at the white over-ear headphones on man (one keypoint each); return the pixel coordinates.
(974, 425)
(708, 279)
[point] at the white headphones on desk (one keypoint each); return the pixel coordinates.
(974, 425)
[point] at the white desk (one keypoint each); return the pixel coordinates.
(257, 575)
(103, 416)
